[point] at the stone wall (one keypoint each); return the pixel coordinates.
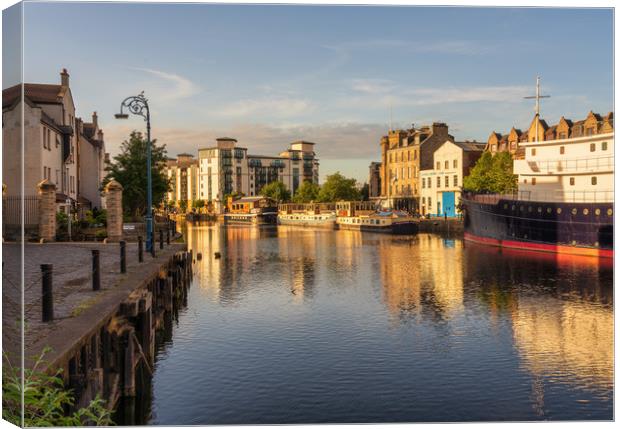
(114, 203)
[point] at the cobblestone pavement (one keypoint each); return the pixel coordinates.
(72, 283)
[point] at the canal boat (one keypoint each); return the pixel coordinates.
(363, 216)
(256, 210)
(315, 215)
(564, 202)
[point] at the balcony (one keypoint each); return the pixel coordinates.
(255, 163)
(565, 166)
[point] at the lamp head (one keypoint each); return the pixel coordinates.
(121, 116)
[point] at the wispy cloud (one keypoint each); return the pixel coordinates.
(458, 47)
(274, 106)
(372, 86)
(170, 86)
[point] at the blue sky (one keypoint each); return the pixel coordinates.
(269, 75)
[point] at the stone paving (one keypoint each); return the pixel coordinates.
(72, 283)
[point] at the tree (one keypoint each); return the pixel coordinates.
(492, 174)
(276, 191)
(129, 169)
(183, 206)
(337, 187)
(198, 204)
(307, 192)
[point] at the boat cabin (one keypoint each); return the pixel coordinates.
(246, 205)
(355, 208)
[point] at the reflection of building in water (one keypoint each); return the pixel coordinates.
(568, 340)
(422, 276)
(298, 249)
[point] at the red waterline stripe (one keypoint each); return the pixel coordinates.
(541, 247)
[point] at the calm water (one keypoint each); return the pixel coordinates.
(294, 325)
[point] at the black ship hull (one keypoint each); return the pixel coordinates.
(561, 227)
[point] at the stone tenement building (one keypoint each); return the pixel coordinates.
(58, 147)
(564, 129)
(403, 154)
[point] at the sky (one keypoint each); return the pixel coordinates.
(269, 75)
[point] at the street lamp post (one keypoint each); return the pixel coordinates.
(138, 105)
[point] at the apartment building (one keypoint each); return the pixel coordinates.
(182, 174)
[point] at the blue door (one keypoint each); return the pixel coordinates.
(448, 204)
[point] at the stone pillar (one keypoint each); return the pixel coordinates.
(47, 211)
(114, 205)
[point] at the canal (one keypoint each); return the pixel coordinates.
(295, 325)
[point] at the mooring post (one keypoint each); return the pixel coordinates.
(47, 294)
(168, 236)
(140, 249)
(96, 276)
(161, 239)
(123, 257)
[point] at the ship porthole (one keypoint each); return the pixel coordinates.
(559, 210)
(522, 208)
(596, 244)
(514, 207)
(549, 210)
(597, 212)
(574, 243)
(586, 211)
(529, 209)
(574, 211)
(505, 206)
(609, 212)
(539, 209)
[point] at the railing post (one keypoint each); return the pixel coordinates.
(161, 239)
(140, 249)
(47, 297)
(168, 236)
(96, 275)
(123, 257)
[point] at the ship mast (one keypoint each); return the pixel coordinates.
(537, 97)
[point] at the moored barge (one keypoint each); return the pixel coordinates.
(363, 216)
(251, 210)
(317, 215)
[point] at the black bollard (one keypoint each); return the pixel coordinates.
(161, 239)
(168, 236)
(123, 257)
(140, 249)
(47, 294)
(96, 276)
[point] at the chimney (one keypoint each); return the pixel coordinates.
(64, 78)
(95, 120)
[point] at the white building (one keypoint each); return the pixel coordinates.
(182, 174)
(577, 169)
(441, 185)
(91, 163)
(226, 168)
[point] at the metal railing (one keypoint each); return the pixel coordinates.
(546, 196)
(12, 210)
(571, 165)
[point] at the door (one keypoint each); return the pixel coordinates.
(448, 204)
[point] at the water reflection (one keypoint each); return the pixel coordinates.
(296, 325)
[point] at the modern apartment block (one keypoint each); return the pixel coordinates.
(57, 146)
(227, 168)
(182, 174)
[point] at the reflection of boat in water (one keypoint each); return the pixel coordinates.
(362, 216)
(251, 210)
(321, 215)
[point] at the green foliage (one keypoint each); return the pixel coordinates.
(100, 235)
(61, 219)
(129, 169)
(96, 217)
(492, 174)
(183, 206)
(45, 399)
(276, 191)
(337, 188)
(198, 204)
(306, 193)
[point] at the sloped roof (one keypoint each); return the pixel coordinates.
(37, 92)
(471, 146)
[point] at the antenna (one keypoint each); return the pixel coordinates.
(537, 97)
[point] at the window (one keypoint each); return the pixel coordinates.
(604, 146)
(455, 163)
(423, 183)
(438, 166)
(533, 152)
(447, 182)
(456, 180)
(572, 181)
(438, 182)
(446, 165)
(592, 147)
(593, 180)
(589, 131)
(409, 172)
(561, 150)
(561, 136)
(533, 181)
(408, 155)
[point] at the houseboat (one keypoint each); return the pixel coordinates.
(564, 202)
(256, 210)
(363, 216)
(317, 215)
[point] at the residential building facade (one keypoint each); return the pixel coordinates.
(182, 174)
(227, 168)
(441, 185)
(403, 154)
(55, 143)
